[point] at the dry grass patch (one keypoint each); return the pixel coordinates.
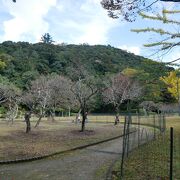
(151, 161)
(49, 137)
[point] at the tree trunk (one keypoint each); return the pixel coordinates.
(38, 122)
(69, 111)
(84, 116)
(14, 113)
(129, 110)
(28, 126)
(51, 115)
(116, 119)
(117, 116)
(27, 120)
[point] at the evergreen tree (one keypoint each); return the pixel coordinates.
(47, 39)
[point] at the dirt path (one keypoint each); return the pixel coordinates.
(78, 165)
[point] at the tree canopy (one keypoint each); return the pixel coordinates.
(129, 9)
(25, 61)
(170, 37)
(47, 38)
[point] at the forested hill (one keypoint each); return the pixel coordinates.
(23, 61)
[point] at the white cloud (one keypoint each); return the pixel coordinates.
(27, 19)
(85, 22)
(66, 20)
(133, 49)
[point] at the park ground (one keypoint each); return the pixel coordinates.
(51, 137)
(91, 163)
(62, 134)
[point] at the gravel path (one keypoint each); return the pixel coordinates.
(78, 165)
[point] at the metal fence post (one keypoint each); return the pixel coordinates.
(154, 118)
(171, 154)
(124, 147)
(139, 129)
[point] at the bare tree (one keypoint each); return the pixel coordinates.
(47, 93)
(84, 90)
(10, 98)
(60, 94)
(121, 88)
(41, 89)
(168, 108)
(149, 106)
(4, 93)
(27, 117)
(13, 106)
(31, 102)
(37, 97)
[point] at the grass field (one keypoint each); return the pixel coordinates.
(151, 161)
(50, 137)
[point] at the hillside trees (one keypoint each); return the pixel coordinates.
(4, 60)
(45, 59)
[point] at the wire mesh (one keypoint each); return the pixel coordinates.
(149, 142)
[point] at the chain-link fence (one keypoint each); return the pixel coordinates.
(155, 155)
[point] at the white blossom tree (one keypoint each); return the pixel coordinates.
(60, 94)
(120, 89)
(10, 98)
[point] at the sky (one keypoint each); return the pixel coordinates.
(76, 22)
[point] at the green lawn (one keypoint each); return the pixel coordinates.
(151, 161)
